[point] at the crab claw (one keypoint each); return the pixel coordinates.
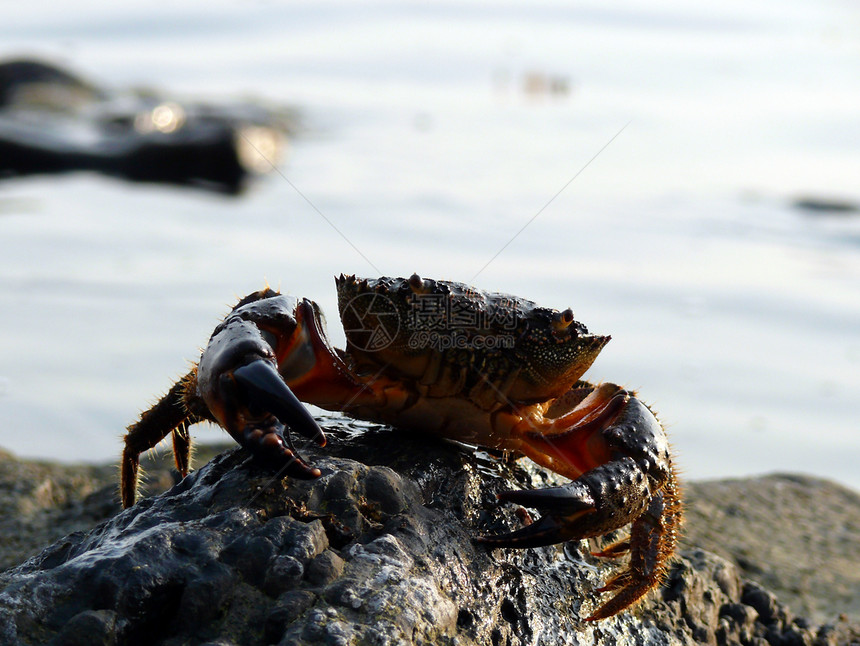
(239, 383)
(600, 501)
(265, 441)
(625, 477)
(263, 408)
(266, 392)
(560, 506)
(544, 531)
(607, 497)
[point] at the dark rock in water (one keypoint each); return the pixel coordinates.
(51, 121)
(22, 80)
(378, 550)
(826, 206)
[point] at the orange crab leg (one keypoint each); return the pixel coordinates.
(313, 369)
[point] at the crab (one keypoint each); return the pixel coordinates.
(441, 357)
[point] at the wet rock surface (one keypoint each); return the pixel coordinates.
(378, 550)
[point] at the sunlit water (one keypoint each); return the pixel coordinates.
(734, 315)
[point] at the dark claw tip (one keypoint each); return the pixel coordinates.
(568, 499)
(265, 391)
(544, 531)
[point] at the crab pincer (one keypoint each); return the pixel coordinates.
(634, 483)
(238, 380)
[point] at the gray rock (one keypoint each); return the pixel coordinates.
(41, 502)
(797, 536)
(378, 550)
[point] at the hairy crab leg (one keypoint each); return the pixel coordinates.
(653, 538)
(181, 448)
(169, 415)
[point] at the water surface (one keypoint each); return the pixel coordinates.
(736, 316)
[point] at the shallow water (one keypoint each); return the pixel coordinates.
(736, 316)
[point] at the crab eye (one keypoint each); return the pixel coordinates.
(416, 283)
(562, 320)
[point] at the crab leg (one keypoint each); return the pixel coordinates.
(169, 415)
(618, 454)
